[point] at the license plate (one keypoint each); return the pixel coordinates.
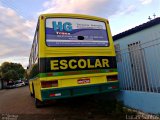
(83, 81)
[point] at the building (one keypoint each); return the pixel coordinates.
(138, 57)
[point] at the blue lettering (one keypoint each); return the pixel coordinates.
(58, 26)
(67, 26)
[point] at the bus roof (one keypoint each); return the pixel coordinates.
(72, 15)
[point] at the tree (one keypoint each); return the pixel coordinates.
(10, 75)
(11, 71)
(0, 75)
(26, 74)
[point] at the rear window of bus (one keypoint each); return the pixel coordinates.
(73, 32)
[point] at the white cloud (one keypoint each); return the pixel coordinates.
(145, 1)
(16, 35)
(102, 8)
(21, 59)
(126, 10)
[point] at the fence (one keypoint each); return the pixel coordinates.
(139, 66)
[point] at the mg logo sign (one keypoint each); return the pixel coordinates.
(67, 26)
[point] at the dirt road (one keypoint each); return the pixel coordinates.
(17, 103)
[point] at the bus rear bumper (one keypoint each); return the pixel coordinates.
(59, 93)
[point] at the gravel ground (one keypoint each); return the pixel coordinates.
(18, 105)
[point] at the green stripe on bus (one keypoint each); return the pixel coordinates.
(81, 90)
(51, 74)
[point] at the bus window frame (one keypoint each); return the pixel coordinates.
(78, 18)
(33, 58)
(37, 42)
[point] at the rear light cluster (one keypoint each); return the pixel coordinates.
(113, 87)
(112, 78)
(46, 84)
(54, 94)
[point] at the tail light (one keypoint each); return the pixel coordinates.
(54, 94)
(113, 87)
(46, 84)
(112, 78)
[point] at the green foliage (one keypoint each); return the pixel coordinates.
(10, 75)
(26, 74)
(11, 71)
(0, 73)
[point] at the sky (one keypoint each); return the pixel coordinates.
(18, 19)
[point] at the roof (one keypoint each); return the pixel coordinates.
(73, 15)
(137, 28)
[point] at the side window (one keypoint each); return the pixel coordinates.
(34, 50)
(32, 55)
(118, 53)
(34, 47)
(35, 44)
(30, 61)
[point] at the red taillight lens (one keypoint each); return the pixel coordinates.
(46, 84)
(54, 94)
(114, 87)
(112, 78)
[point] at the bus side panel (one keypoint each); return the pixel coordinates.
(37, 87)
(30, 87)
(34, 83)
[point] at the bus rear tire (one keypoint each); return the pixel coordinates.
(38, 103)
(31, 94)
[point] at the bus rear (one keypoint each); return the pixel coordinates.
(76, 57)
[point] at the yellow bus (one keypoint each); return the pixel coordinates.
(71, 55)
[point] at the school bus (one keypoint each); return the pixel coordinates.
(71, 55)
